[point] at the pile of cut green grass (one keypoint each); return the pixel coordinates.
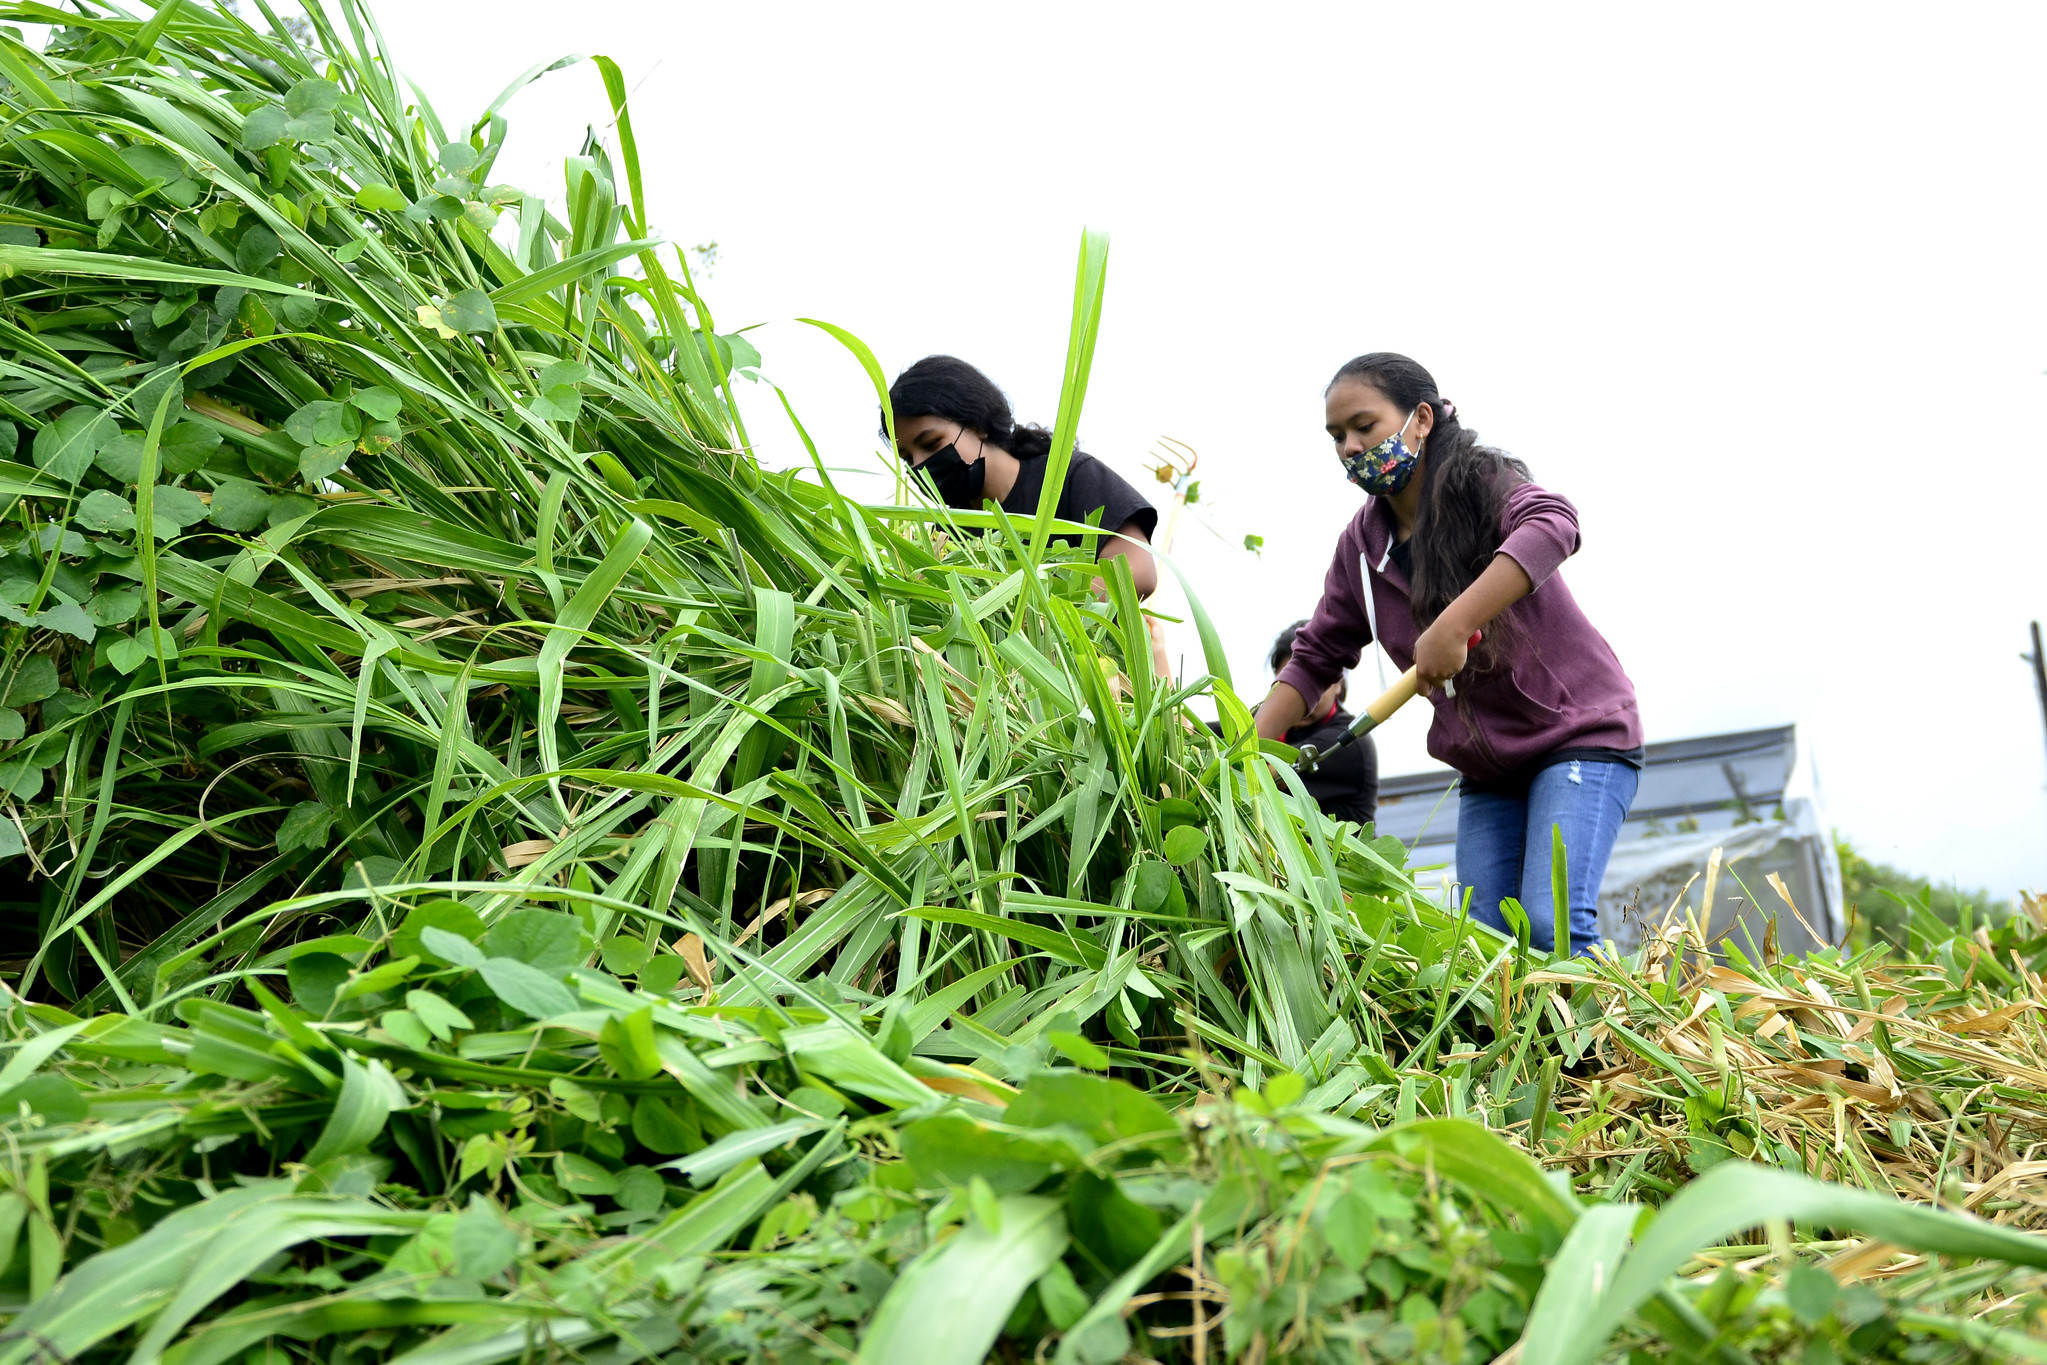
(502, 875)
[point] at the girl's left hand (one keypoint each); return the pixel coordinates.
(1439, 654)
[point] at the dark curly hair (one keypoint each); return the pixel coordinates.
(946, 386)
(1464, 490)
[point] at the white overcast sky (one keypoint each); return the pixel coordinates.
(1758, 286)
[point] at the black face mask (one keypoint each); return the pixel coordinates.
(958, 483)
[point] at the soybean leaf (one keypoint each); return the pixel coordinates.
(263, 128)
(448, 916)
(186, 447)
(449, 947)
(545, 939)
(483, 1242)
(70, 618)
(100, 510)
(525, 988)
(306, 825)
(65, 448)
(313, 96)
(239, 505)
(440, 1017)
(381, 404)
(34, 680)
(1184, 844)
(380, 198)
(470, 311)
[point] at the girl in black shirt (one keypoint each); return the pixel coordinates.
(954, 425)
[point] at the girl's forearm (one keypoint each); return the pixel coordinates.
(1503, 583)
(1281, 711)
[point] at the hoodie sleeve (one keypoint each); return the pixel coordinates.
(1338, 631)
(1541, 531)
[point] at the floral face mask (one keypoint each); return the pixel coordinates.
(1387, 466)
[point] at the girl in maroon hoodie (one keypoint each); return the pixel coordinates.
(1538, 719)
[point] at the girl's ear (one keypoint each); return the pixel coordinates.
(1424, 422)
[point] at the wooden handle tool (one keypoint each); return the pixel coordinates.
(1377, 712)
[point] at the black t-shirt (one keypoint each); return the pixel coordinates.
(1345, 784)
(1090, 486)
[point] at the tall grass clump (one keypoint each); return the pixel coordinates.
(496, 874)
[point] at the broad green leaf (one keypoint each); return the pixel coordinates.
(186, 447)
(660, 1127)
(21, 780)
(380, 198)
(406, 1027)
(381, 404)
(440, 1018)
(470, 311)
(121, 457)
(948, 1150)
(318, 463)
(178, 507)
(948, 1305)
(263, 128)
(1351, 1229)
(1184, 844)
(34, 679)
(582, 1177)
(114, 606)
(451, 948)
(582, 1103)
(239, 505)
(525, 988)
(1733, 1196)
(625, 956)
(546, 939)
(1079, 1050)
(309, 824)
(1811, 1293)
(100, 510)
(312, 96)
(65, 448)
(1107, 1110)
(447, 915)
(627, 1045)
(360, 1110)
(258, 248)
(483, 1242)
(71, 619)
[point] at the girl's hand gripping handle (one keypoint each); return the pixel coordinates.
(1409, 683)
(1438, 657)
(1376, 712)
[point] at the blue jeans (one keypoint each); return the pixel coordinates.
(1503, 846)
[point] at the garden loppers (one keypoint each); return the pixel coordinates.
(1375, 715)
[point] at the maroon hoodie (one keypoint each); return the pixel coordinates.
(1562, 685)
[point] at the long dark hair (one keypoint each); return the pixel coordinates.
(1464, 489)
(946, 386)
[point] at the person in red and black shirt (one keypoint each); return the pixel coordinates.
(1345, 784)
